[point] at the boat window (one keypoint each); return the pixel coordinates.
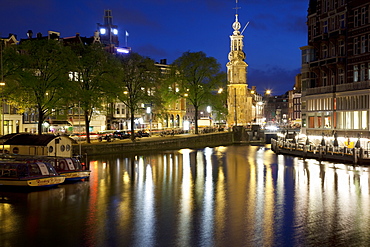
(77, 164)
(34, 170)
(22, 170)
(8, 170)
(15, 150)
(62, 148)
(68, 147)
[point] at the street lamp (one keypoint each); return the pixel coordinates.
(149, 111)
(209, 110)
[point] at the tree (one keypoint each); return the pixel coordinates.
(218, 101)
(136, 84)
(197, 76)
(39, 76)
(92, 73)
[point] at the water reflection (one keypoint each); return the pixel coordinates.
(223, 196)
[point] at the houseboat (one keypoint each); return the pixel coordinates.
(51, 149)
(28, 174)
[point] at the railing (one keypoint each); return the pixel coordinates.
(353, 86)
(328, 152)
(339, 88)
(320, 90)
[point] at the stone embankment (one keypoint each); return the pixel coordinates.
(155, 143)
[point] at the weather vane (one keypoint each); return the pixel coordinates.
(236, 6)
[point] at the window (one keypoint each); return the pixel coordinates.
(319, 122)
(311, 122)
(342, 21)
(363, 15)
(332, 24)
(324, 51)
(364, 120)
(324, 79)
(362, 72)
(363, 44)
(355, 17)
(332, 51)
(355, 73)
(341, 48)
(325, 26)
(355, 46)
(341, 76)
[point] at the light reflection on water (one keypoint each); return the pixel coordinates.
(224, 196)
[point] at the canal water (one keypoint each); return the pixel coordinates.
(223, 196)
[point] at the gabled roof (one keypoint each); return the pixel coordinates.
(30, 140)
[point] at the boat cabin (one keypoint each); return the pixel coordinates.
(45, 145)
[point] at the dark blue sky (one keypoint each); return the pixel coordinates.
(164, 29)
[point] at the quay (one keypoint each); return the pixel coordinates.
(153, 143)
(343, 154)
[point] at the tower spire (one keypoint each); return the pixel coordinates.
(239, 99)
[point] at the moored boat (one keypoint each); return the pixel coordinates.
(28, 174)
(71, 168)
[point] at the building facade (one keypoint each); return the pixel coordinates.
(336, 69)
(239, 101)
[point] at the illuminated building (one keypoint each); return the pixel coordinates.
(109, 32)
(240, 98)
(336, 69)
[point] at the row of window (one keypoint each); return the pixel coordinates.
(360, 16)
(332, 50)
(361, 73)
(323, 104)
(346, 120)
(353, 102)
(328, 5)
(361, 44)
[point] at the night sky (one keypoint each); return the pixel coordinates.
(164, 29)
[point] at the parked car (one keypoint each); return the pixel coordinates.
(121, 134)
(143, 133)
(107, 135)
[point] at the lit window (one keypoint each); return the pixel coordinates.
(115, 31)
(355, 73)
(103, 31)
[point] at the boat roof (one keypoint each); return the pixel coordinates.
(30, 140)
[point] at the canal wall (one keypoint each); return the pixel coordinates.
(159, 143)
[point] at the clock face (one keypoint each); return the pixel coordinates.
(236, 25)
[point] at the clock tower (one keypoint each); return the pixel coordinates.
(239, 96)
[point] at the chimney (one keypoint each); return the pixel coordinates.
(163, 61)
(39, 35)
